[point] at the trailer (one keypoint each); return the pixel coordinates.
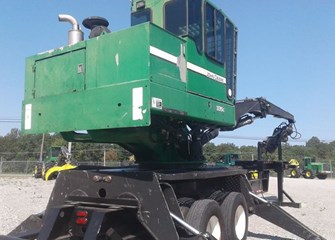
(161, 89)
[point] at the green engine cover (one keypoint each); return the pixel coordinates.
(120, 82)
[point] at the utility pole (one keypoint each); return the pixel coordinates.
(69, 146)
(104, 156)
(42, 146)
(1, 160)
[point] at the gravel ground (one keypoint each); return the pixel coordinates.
(317, 198)
(21, 196)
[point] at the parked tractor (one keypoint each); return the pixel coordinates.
(228, 159)
(259, 184)
(50, 160)
(58, 159)
(161, 89)
(310, 169)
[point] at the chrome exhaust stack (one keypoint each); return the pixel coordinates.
(75, 35)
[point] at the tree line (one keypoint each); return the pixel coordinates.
(21, 147)
(17, 146)
(320, 151)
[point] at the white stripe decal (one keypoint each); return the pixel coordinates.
(164, 55)
(205, 72)
(137, 103)
(170, 58)
(27, 116)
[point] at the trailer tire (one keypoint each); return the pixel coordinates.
(206, 216)
(235, 217)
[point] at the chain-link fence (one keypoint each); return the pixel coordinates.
(17, 167)
(27, 167)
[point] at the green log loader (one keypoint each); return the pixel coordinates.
(310, 169)
(160, 89)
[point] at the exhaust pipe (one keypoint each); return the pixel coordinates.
(75, 35)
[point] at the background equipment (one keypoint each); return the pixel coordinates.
(310, 169)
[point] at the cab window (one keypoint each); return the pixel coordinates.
(184, 18)
(215, 34)
(176, 18)
(231, 51)
(141, 17)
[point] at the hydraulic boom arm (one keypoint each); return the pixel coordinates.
(249, 109)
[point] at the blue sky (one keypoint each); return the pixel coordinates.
(286, 53)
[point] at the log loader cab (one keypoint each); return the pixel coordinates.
(209, 34)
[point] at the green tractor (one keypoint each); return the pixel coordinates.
(228, 159)
(57, 159)
(310, 169)
(50, 160)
